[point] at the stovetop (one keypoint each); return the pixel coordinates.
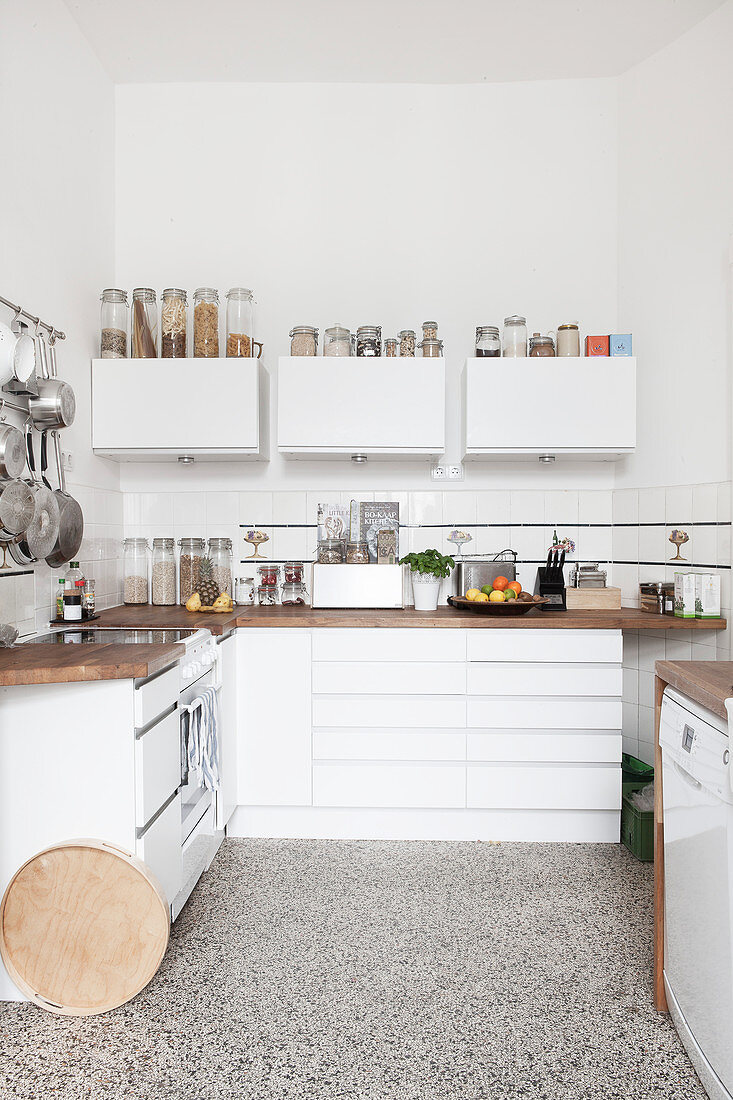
(113, 636)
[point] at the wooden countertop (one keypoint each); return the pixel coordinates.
(709, 683)
(59, 664)
(171, 618)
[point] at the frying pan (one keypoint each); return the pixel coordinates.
(71, 518)
(12, 451)
(39, 537)
(55, 406)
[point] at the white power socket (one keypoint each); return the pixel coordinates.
(67, 460)
(439, 473)
(447, 473)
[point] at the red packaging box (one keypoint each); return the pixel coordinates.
(596, 345)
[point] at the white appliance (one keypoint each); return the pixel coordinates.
(357, 585)
(698, 879)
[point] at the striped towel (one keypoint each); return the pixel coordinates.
(203, 738)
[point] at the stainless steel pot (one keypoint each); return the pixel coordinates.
(55, 406)
(71, 517)
(39, 537)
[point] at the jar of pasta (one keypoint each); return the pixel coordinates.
(173, 324)
(206, 323)
(240, 323)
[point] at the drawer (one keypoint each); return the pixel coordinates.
(157, 767)
(518, 712)
(498, 678)
(390, 644)
(389, 744)
(156, 696)
(545, 787)
(387, 711)
(545, 745)
(408, 786)
(160, 848)
(555, 646)
(388, 678)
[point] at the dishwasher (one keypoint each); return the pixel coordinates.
(698, 848)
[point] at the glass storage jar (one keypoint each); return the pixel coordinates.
(337, 341)
(189, 567)
(540, 345)
(515, 336)
(430, 330)
(487, 341)
(269, 575)
(407, 341)
(173, 307)
(240, 323)
(244, 590)
(293, 572)
(206, 323)
(303, 340)
(357, 553)
(135, 565)
(331, 551)
(114, 324)
(267, 595)
(294, 595)
(144, 324)
(431, 349)
(390, 347)
(369, 340)
(164, 572)
(568, 339)
(222, 560)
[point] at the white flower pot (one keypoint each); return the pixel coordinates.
(425, 591)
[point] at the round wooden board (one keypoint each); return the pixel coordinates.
(83, 927)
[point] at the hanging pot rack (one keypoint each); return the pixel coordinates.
(55, 333)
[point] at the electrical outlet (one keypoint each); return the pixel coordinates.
(67, 460)
(438, 473)
(455, 473)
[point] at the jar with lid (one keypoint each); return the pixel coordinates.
(144, 324)
(240, 323)
(331, 551)
(337, 341)
(206, 323)
(244, 590)
(369, 340)
(173, 307)
(515, 336)
(222, 561)
(390, 347)
(89, 603)
(487, 341)
(303, 340)
(189, 567)
(430, 330)
(293, 572)
(269, 575)
(135, 565)
(540, 345)
(568, 339)
(407, 341)
(357, 553)
(267, 595)
(431, 349)
(115, 323)
(164, 572)
(294, 595)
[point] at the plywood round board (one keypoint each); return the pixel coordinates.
(83, 927)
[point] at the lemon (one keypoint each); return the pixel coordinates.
(482, 598)
(473, 594)
(496, 597)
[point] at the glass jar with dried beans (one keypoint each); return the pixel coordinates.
(430, 330)
(331, 551)
(164, 572)
(293, 572)
(144, 324)
(189, 567)
(390, 347)
(303, 340)
(173, 324)
(407, 341)
(206, 323)
(240, 323)
(294, 595)
(357, 553)
(115, 322)
(369, 340)
(222, 561)
(135, 565)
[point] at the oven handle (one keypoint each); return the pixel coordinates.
(190, 707)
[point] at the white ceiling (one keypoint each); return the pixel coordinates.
(404, 41)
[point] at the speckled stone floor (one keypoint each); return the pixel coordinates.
(383, 971)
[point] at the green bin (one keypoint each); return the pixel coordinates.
(637, 826)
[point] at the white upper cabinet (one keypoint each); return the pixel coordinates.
(571, 407)
(335, 407)
(161, 409)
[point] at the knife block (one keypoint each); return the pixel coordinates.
(552, 590)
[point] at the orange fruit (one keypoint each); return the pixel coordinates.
(515, 586)
(500, 584)
(496, 597)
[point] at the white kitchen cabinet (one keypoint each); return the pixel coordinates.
(570, 407)
(404, 786)
(334, 407)
(151, 410)
(549, 787)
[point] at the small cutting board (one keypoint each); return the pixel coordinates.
(593, 599)
(84, 927)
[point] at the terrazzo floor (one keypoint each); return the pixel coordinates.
(383, 971)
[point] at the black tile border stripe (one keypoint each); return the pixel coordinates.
(686, 564)
(451, 526)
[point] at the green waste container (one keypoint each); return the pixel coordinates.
(637, 826)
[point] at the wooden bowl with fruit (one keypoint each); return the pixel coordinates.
(503, 597)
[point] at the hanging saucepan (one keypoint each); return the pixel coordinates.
(71, 518)
(39, 537)
(17, 506)
(12, 451)
(55, 406)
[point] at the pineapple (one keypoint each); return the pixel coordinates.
(208, 588)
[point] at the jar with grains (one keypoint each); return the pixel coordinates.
(269, 575)
(189, 567)
(390, 347)
(407, 341)
(135, 566)
(369, 340)
(515, 336)
(267, 596)
(240, 323)
(164, 572)
(540, 345)
(331, 551)
(206, 323)
(115, 323)
(430, 330)
(303, 340)
(144, 324)
(293, 572)
(222, 560)
(173, 307)
(431, 349)
(337, 341)
(294, 595)
(568, 339)
(487, 341)
(357, 553)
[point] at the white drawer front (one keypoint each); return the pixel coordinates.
(544, 745)
(153, 698)
(160, 848)
(513, 712)
(383, 678)
(543, 788)
(409, 786)
(157, 767)
(498, 678)
(389, 744)
(556, 646)
(389, 644)
(385, 711)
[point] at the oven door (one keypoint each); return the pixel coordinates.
(196, 800)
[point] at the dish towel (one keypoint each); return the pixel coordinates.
(203, 738)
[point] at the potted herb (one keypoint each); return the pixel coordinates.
(427, 570)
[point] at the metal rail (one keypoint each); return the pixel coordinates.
(56, 333)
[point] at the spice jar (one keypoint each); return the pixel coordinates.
(515, 336)
(407, 341)
(369, 340)
(266, 596)
(336, 341)
(357, 553)
(331, 551)
(173, 306)
(240, 323)
(189, 567)
(222, 560)
(294, 595)
(430, 348)
(144, 324)
(269, 575)
(540, 345)
(206, 323)
(303, 340)
(244, 590)
(487, 341)
(390, 347)
(430, 330)
(568, 339)
(293, 572)
(164, 572)
(135, 565)
(114, 324)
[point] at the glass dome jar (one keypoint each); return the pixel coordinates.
(407, 341)
(540, 346)
(337, 341)
(240, 323)
(515, 336)
(205, 323)
(144, 324)
(173, 307)
(189, 567)
(222, 560)
(163, 584)
(136, 566)
(115, 322)
(487, 341)
(303, 340)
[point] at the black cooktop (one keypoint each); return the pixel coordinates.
(81, 635)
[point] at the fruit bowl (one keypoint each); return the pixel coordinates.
(509, 608)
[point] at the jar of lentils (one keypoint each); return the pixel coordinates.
(303, 340)
(164, 572)
(173, 324)
(115, 323)
(206, 323)
(189, 567)
(136, 553)
(407, 341)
